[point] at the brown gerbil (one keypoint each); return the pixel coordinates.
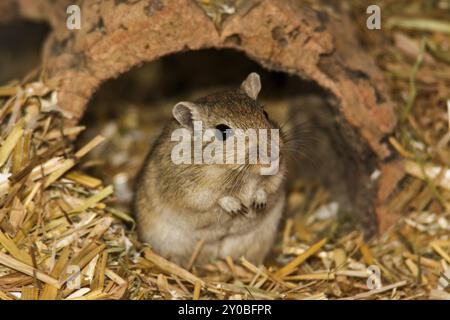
(232, 208)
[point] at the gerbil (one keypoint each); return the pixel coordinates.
(232, 208)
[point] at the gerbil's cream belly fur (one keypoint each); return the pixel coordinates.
(174, 234)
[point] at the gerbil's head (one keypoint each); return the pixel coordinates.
(233, 115)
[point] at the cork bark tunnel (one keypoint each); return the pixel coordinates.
(283, 36)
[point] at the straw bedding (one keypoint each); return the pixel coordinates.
(62, 236)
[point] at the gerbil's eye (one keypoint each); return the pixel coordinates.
(266, 114)
(223, 129)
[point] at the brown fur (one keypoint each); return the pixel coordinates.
(178, 205)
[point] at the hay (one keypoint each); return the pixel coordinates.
(62, 235)
(52, 221)
(57, 220)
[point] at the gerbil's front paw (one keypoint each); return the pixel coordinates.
(233, 205)
(259, 200)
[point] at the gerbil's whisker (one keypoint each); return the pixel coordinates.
(230, 176)
(240, 178)
(309, 156)
(237, 179)
(233, 180)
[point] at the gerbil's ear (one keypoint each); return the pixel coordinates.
(185, 113)
(252, 85)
